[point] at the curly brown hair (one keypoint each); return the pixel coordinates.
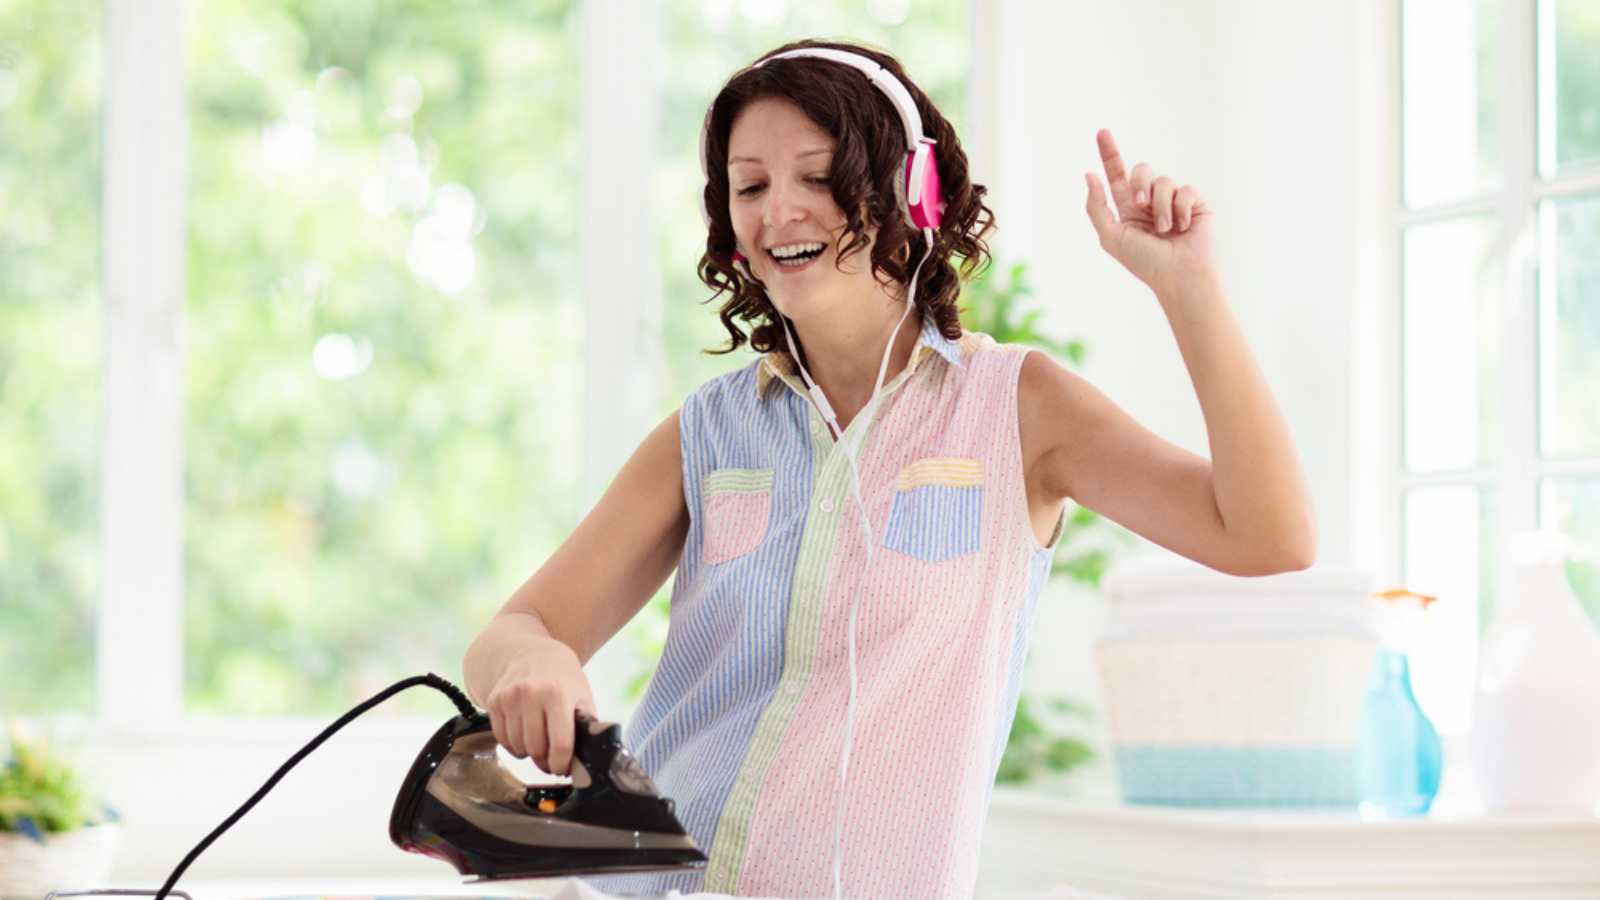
(869, 151)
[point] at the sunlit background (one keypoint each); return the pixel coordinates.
(386, 407)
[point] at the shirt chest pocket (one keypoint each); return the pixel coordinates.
(937, 512)
(737, 503)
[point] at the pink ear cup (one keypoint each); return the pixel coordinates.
(928, 209)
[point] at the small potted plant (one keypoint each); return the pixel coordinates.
(52, 835)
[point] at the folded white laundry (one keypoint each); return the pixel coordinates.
(1066, 892)
(576, 889)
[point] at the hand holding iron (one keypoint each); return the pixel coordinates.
(531, 707)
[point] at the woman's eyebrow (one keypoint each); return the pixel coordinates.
(801, 155)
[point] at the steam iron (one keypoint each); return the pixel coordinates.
(460, 805)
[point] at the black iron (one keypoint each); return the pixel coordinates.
(460, 805)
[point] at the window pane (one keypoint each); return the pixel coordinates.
(1569, 327)
(1449, 553)
(383, 385)
(1451, 54)
(932, 41)
(50, 349)
(1572, 505)
(1453, 287)
(1574, 65)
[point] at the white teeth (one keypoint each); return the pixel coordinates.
(793, 249)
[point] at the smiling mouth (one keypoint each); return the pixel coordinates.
(798, 261)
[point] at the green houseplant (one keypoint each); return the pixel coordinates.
(52, 834)
(1042, 740)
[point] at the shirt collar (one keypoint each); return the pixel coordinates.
(779, 364)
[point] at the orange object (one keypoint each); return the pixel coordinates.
(547, 805)
(1400, 593)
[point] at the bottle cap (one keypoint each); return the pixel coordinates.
(1400, 594)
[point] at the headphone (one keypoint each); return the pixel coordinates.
(916, 181)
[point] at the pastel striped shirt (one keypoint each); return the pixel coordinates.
(743, 720)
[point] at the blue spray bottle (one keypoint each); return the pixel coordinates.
(1400, 755)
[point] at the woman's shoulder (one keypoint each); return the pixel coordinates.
(982, 350)
(974, 343)
(1041, 381)
(732, 388)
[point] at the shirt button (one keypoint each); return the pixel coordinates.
(826, 506)
(792, 689)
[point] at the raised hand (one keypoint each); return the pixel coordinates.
(1161, 233)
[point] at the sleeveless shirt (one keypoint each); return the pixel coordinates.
(743, 721)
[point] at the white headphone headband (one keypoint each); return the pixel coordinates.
(919, 147)
(881, 77)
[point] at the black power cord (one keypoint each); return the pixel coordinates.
(460, 699)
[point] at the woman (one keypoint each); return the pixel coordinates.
(862, 518)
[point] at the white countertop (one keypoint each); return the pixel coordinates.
(1107, 849)
(1176, 853)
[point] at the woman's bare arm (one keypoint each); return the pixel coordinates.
(1246, 511)
(601, 576)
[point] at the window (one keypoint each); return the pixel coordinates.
(382, 375)
(50, 353)
(1500, 228)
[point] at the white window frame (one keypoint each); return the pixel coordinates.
(1516, 476)
(1521, 252)
(139, 629)
(144, 175)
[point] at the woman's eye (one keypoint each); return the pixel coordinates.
(747, 191)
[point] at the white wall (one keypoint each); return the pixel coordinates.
(1255, 102)
(1231, 97)
(1278, 113)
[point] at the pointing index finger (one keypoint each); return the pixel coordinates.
(1115, 173)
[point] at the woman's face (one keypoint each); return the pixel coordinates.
(780, 200)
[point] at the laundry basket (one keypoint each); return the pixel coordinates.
(1222, 691)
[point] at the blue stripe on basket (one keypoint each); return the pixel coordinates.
(1238, 776)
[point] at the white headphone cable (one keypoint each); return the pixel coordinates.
(867, 535)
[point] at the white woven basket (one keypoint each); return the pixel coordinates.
(1220, 690)
(72, 860)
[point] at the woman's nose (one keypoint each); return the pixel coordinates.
(783, 204)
